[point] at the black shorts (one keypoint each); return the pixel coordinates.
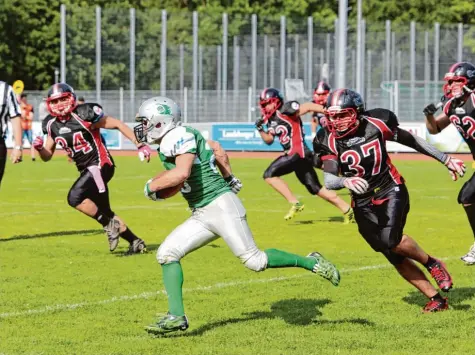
(3, 157)
(85, 188)
(303, 168)
(467, 193)
(381, 220)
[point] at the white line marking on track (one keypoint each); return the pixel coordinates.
(150, 294)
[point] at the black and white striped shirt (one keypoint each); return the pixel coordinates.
(9, 106)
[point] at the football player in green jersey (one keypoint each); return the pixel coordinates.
(216, 210)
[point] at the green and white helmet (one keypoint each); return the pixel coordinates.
(157, 115)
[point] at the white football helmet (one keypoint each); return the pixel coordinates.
(157, 115)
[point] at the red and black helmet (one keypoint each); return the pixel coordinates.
(321, 92)
(61, 100)
(344, 107)
(460, 79)
(270, 101)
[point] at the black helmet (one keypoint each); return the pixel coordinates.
(344, 106)
(459, 79)
(270, 101)
(61, 100)
(320, 93)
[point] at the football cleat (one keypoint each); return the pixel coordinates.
(439, 273)
(436, 306)
(296, 208)
(349, 216)
(469, 258)
(168, 323)
(113, 230)
(325, 268)
(137, 247)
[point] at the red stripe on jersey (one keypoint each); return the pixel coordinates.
(332, 143)
(329, 157)
(446, 107)
(296, 136)
(104, 157)
(393, 172)
(383, 127)
(472, 96)
(48, 126)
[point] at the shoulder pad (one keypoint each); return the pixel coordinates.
(178, 141)
(45, 123)
(290, 108)
(89, 112)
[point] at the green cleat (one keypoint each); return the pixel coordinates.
(296, 208)
(168, 323)
(325, 269)
(349, 216)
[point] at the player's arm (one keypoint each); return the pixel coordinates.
(267, 137)
(173, 177)
(435, 124)
(14, 112)
(455, 166)
(45, 150)
(307, 107)
(224, 166)
(108, 122)
(333, 181)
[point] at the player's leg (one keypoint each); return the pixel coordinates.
(29, 137)
(187, 237)
(136, 244)
(283, 165)
(226, 217)
(308, 177)
(3, 157)
(466, 197)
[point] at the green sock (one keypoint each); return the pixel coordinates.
(278, 258)
(173, 280)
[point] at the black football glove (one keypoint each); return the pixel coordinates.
(260, 124)
(430, 110)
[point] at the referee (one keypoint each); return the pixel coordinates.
(9, 110)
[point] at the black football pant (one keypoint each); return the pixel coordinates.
(3, 157)
(303, 168)
(381, 220)
(467, 197)
(85, 187)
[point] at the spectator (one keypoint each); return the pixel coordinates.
(27, 114)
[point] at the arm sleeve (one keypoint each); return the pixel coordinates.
(12, 103)
(404, 137)
(330, 175)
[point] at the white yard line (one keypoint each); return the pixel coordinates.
(150, 294)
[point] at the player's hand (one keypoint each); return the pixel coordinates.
(145, 152)
(16, 156)
(234, 183)
(356, 184)
(430, 109)
(38, 143)
(456, 167)
(259, 124)
(151, 195)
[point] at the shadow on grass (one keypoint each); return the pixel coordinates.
(297, 312)
(81, 232)
(337, 219)
(456, 298)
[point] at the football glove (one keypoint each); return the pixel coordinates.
(456, 167)
(144, 152)
(234, 183)
(259, 124)
(356, 184)
(38, 143)
(430, 109)
(151, 195)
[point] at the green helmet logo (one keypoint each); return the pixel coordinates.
(164, 109)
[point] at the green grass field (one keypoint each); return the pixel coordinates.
(62, 292)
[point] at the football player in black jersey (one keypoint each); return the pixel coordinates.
(459, 110)
(76, 128)
(353, 149)
(283, 120)
(320, 96)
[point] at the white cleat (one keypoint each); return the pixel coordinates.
(469, 258)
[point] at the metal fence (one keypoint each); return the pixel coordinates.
(215, 66)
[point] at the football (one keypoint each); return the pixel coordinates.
(169, 191)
